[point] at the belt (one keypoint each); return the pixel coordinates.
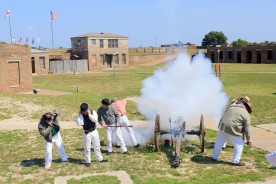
(88, 131)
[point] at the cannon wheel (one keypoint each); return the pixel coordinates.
(202, 133)
(157, 133)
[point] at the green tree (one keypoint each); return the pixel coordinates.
(214, 38)
(240, 42)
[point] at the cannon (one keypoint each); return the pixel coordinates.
(178, 132)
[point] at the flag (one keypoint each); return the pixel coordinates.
(20, 39)
(53, 15)
(33, 41)
(38, 40)
(27, 41)
(13, 39)
(8, 13)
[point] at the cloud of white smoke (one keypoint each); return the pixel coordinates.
(183, 88)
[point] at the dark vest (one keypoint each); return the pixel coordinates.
(88, 124)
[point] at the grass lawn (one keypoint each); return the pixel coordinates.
(22, 152)
(22, 158)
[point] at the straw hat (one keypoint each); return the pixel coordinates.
(246, 100)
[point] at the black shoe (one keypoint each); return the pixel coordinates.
(239, 164)
(87, 164)
(117, 146)
(104, 160)
(108, 153)
(126, 153)
(137, 146)
(214, 160)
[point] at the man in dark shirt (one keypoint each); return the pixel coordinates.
(87, 119)
(111, 118)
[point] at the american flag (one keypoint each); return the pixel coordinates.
(8, 13)
(53, 15)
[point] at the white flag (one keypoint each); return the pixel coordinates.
(8, 13)
(37, 40)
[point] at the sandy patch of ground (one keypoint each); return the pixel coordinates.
(122, 176)
(48, 92)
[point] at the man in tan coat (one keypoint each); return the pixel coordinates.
(234, 126)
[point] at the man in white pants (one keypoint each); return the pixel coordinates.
(87, 119)
(121, 108)
(233, 126)
(49, 128)
(111, 118)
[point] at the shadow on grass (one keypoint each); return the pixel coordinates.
(274, 93)
(207, 160)
(32, 162)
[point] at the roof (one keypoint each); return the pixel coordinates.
(100, 35)
(35, 51)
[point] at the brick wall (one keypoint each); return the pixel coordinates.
(245, 54)
(15, 68)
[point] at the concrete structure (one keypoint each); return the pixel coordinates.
(40, 61)
(243, 54)
(101, 50)
(15, 68)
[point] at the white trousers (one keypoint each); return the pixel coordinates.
(237, 142)
(124, 122)
(49, 146)
(119, 137)
(95, 139)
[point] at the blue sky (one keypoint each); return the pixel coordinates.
(169, 21)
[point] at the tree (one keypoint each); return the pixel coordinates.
(240, 42)
(214, 38)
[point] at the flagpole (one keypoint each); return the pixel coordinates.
(10, 28)
(52, 30)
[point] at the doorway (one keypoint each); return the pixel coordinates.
(259, 56)
(239, 56)
(249, 57)
(212, 56)
(33, 64)
(109, 60)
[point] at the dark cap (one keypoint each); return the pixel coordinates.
(83, 107)
(47, 116)
(105, 101)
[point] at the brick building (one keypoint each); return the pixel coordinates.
(243, 54)
(40, 61)
(15, 68)
(101, 50)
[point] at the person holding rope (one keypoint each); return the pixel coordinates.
(121, 108)
(87, 119)
(108, 117)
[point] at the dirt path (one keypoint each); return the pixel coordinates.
(122, 176)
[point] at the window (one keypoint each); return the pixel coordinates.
(79, 42)
(112, 43)
(93, 41)
(124, 58)
(102, 59)
(101, 43)
(269, 54)
(229, 54)
(116, 60)
(42, 62)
